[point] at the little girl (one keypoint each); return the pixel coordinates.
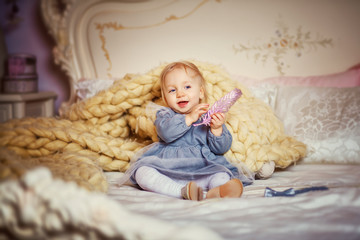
(187, 159)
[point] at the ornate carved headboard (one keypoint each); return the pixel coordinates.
(107, 38)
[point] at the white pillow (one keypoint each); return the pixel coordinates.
(326, 119)
(265, 92)
(87, 88)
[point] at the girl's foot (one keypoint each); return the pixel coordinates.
(231, 189)
(192, 192)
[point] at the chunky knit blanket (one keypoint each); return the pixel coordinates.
(106, 130)
(37, 206)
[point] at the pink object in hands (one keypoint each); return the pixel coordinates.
(221, 106)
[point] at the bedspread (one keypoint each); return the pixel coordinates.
(330, 214)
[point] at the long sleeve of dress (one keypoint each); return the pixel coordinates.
(170, 126)
(220, 144)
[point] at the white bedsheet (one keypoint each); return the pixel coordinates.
(330, 214)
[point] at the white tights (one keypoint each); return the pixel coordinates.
(150, 179)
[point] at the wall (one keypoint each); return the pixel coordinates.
(31, 36)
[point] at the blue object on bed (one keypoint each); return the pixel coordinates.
(291, 192)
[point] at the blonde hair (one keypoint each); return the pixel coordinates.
(185, 65)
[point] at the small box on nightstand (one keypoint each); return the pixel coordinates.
(40, 104)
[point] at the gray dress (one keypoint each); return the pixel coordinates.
(186, 152)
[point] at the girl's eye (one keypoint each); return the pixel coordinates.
(171, 90)
(187, 87)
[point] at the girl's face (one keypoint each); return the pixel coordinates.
(181, 91)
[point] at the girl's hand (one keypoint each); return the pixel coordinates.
(217, 120)
(195, 113)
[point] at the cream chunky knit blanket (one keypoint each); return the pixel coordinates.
(107, 129)
(39, 207)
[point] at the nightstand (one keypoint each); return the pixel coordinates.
(39, 104)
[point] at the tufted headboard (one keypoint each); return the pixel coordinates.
(259, 39)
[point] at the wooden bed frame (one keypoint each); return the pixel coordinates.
(107, 39)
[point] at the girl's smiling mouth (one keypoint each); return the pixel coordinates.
(182, 104)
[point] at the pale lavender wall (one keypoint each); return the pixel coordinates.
(31, 36)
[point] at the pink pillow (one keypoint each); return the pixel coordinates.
(349, 78)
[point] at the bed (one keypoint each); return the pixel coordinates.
(60, 176)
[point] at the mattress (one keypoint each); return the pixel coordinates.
(327, 214)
